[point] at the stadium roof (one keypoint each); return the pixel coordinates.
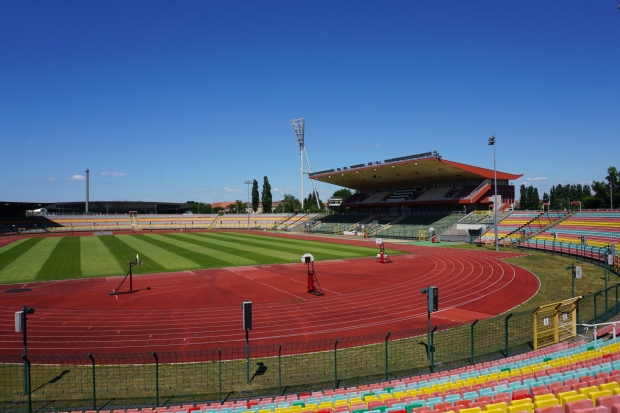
(421, 169)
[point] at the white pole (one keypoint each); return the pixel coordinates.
(495, 206)
(301, 174)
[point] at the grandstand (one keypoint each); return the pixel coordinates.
(558, 379)
(589, 229)
(422, 182)
(407, 196)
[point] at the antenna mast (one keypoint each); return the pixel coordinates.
(299, 127)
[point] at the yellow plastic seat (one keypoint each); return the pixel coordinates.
(547, 403)
(542, 397)
(573, 398)
(596, 394)
(503, 407)
(609, 386)
(563, 395)
(588, 390)
(523, 407)
(471, 410)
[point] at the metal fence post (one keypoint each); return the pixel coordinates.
(432, 349)
(27, 364)
(219, 368)
(473, 342)
(595, 312)
(156, 379)
(92, 361)
(336, 363)
(506, 327)
(280, 370)
(386, 356)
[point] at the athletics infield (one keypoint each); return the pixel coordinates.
(201, 309)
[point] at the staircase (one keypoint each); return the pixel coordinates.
(214, 222)
(135, 223)
(546, 227)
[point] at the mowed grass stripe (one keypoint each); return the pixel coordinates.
(63, 262)
(96, 258)
(294, 249)
(254, 251)
(166, 259)
(13, 251)
(229, 251)
(204, 257)
(124, 254)
(276, 241)
(26, 267)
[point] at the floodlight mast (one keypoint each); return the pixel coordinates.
(299, 128)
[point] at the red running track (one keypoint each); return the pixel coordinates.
(194, 310)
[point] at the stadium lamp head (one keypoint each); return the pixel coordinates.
(492, 140)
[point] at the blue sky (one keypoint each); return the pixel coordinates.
(177, 101)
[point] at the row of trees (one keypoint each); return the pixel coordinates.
(597, 196)
(239, 206)
(289, 203)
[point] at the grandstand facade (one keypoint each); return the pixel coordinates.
(417, 184)
(94, 207)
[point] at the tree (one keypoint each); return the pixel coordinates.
(289, 204)
(199, 207)
(529, 198)
(612, 180)
(239, 207)
(310, 203)
(523, 197)
(266, 196)
(343, 193)
(255, 197)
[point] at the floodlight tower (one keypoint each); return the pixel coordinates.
(299, 127)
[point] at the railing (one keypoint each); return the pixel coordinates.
(478, 189)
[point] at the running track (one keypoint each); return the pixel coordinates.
(201, 309)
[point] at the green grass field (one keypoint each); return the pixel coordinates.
(39, 259)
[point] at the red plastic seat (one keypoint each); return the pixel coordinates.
(571, 407)
(608, 401)
(443, 407)
(600, 409)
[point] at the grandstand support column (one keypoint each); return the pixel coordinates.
(495, 206)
